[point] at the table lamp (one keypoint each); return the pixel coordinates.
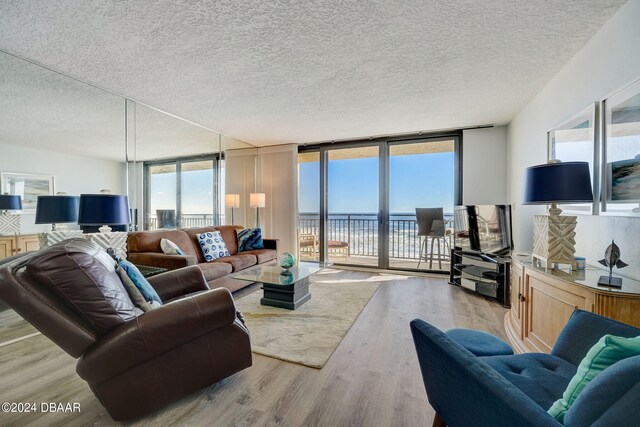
(553, 183)
(232, 201)
(9, 224)
(104, 210)
(257, 200)
(58, 209)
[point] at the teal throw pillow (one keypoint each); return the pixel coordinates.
(212, 245)
(140, 281)
(607, 351)
(249, 239)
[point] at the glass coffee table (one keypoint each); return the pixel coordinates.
(284, 289)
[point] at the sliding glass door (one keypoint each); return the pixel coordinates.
(352, 206)
(386, 204)
(181, 193)
(421, 201)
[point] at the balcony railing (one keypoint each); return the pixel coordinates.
(189, 221)
(360, 231)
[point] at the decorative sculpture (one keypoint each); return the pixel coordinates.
(611, 259)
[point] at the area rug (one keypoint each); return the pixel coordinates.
(310, 334)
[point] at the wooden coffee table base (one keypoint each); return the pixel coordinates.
(286, 296)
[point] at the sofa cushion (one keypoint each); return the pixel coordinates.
(263, 255)
(215, 270)
(542, 377)
(212, 245)
(84, 276)
(141, 282)
(239, 261)
(249, 239)
(134, 293)
(170, 248)
(149, 241)
(607, 351)
(228, 233)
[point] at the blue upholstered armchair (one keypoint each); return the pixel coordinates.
(517, 390)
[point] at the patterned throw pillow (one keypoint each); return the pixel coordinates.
(141, 282)
(170, 248)
(212, 245)
(249, 239)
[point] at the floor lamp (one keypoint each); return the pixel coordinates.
(257, 200)
(232, 201)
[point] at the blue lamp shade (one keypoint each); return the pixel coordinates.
(568, 182)
(57, 209)
(103, 209)
(10, 202)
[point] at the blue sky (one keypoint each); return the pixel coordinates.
(418, 180)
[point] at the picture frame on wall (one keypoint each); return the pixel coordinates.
(621, 153)
(28, 187)
(577, 139)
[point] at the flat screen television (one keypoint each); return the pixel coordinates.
(483, 228)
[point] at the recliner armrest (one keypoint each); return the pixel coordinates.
(156, 332)
(155, 259)
(175, 283)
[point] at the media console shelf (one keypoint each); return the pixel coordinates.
(542, 300)
(486, 274)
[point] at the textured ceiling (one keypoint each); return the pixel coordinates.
(300, 71)
(44, 109)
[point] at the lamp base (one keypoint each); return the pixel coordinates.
(613, 282)
(9, 224)
(51, 237)
(554, 240)
(105, 229)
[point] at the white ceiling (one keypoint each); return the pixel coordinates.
(281, 71)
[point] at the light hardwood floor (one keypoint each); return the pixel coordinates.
(372, 379)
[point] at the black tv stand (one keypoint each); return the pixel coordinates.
(485, 273)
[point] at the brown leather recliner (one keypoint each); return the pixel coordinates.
(134, 362)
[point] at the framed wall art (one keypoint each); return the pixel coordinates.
(27, 186)
(576, 139)
(621, 153)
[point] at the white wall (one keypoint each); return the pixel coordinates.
(72, 174)
(484, 174)
(607, 63)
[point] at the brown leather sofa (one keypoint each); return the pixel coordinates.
(134, 362)
(143, 248)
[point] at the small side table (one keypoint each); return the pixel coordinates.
(148, 270)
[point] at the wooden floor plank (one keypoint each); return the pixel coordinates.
(373, 378)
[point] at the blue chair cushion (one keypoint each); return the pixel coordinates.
(542, 377)
(480, 343)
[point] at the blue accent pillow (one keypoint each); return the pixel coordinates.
(212, 245)
(249, 239)
(140, 281)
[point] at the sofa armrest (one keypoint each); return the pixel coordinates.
(464, 390)
(271, 244)
(583, 330)
(156, 332)
(175, 283)
(155, 259)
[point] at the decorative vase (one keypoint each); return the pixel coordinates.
(286, 261)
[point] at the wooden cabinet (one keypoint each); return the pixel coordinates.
(13, 245)
(543, 300)
(517, 300)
